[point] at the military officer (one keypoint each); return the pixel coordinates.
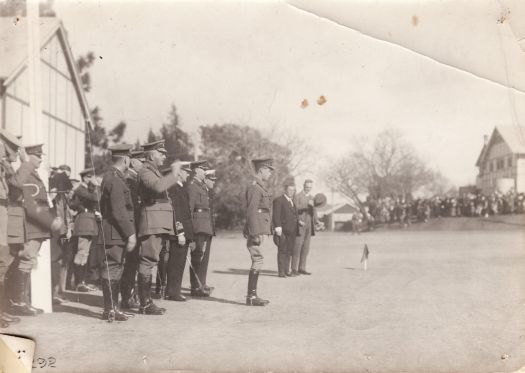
(178, 246)
(156, 219)
(38, 224)
(258, 224)
(127, 283)
(85, 230)
(9, 180)
(199, 200)
(118, 234)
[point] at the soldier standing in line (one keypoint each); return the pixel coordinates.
(128, 281)
(258, 225)
(9, 147)
(178, 246)
(202, 229)
(209, 180)
(86, 227)
(118, 234)
(38, 224)
(156, 219)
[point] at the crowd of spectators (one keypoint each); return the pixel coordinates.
(403, 212)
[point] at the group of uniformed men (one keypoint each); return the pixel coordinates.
(142, 216)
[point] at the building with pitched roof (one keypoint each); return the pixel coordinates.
(501, 162)
(64, 106)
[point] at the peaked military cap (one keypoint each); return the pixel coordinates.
(155, 145)
(186, 166)
(210, 174)
(87, 171)
(200, 164)
(9, 139)
(137, 154)
(263, 162)
(35, 149)
(121, 149)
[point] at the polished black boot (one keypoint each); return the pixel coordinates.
(106, 296)
(129, 297)
(252, 299)
(147, 307)
(18, 305)
(115, 290)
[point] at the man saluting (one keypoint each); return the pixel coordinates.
(258, 225)
(156, 218)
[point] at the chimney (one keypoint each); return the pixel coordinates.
(485, 140)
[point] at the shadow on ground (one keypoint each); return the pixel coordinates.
(245, 272)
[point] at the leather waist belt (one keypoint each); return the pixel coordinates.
(201, 210)
(263, 210)
(165, 200)
(3, 202)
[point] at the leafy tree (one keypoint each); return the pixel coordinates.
(230, 149)
(178, 143)
(14, 8)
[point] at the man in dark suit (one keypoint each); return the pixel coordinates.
(285, 222)
(179, 244)
(304, 202)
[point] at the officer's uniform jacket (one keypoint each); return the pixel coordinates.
(16, 222)
(156, 215)
(133, 184)
(86, 203)
(200, 208)
(305, 211)
(181, 204)
(258, 210)
(118, 221)
(38, 212)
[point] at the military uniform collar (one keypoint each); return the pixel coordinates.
(260, 183)
(151, 166)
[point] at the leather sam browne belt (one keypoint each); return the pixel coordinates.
(263, 210)
(201, 209)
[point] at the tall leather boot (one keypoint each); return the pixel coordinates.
(5, 319)
(128, 294)
(106, 295)
(17, 305)
(252, 299)
(147, 307)
(115, 290)
(80, 275)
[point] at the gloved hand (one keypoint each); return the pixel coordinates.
(192, 246)
(132, 242)
(181, 239)
(278, 231)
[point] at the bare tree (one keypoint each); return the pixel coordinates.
(387, 166)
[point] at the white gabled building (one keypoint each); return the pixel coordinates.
(501, 162)
(64, 106)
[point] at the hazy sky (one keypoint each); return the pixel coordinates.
(253, 63)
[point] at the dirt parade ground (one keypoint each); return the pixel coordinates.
(442, 300)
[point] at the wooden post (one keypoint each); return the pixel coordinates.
(41, 293)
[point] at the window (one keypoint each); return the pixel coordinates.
(491, 166)
(509, 162)
(500, 164)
